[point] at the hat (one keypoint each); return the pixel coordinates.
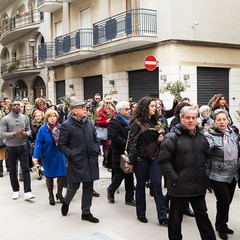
(1, 100)
(76, 104)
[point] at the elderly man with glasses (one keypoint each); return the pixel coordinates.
(118, 132)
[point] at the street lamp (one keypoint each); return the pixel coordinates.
(32, 44)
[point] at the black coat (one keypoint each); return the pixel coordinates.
(117, 133)
(79, 143)
(183, 161)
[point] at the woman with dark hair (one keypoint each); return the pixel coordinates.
(223, 167)
(145, 137)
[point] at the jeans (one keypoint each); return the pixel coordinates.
(21, 153)
(200, 210)
(224, 194)
(145, 169)
(128, 181)
(87, 195)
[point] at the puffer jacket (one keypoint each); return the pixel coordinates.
(183, 161)
(221, 170)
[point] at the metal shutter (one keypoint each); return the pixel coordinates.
(92, 85)
(60, 90)
(143, 83)
(211, 81)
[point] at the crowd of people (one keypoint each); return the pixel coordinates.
(193, 149)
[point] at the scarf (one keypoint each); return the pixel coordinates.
(125, 119)
(230, 148)
(55, 131)
(81, 120)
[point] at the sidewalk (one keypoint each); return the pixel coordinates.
(37, 220)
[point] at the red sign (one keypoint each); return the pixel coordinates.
(150, 63)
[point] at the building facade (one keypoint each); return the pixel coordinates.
(84, 47)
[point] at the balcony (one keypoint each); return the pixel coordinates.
(19, 25)
(49, 5)
(127, 30)
(67, 1)
(71, 47)
(46, 54)
(19, 67)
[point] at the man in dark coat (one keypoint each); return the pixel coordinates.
(183, 160)
(79, 143)
(118, 132)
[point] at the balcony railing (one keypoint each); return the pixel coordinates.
(81, 39)
(135, 22)
(20, 63)
(21, 20)
(46, 52)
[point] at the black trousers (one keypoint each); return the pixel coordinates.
(87, 194)
(176, 215)
(224, 194)
(21, 153)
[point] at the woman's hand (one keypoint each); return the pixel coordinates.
(35, 161)
(160, 137)
(129, 167)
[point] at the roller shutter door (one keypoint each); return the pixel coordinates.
(211, 81)
(92, 85)
(143, 83)
(60, 90)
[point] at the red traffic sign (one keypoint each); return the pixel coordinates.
(150, 63)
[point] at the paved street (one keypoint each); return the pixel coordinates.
(37, 220)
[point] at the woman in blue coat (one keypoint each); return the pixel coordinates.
(53, 161)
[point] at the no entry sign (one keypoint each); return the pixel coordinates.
(150, 63)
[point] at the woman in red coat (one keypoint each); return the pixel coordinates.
(104, 115)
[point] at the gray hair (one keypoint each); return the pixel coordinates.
(186, 109)
(218, 111)
(204, 108)
(121, 104)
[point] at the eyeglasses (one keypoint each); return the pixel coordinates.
(15, 104)
(108, 102)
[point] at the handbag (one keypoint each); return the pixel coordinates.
(125, 158)
(102, 133)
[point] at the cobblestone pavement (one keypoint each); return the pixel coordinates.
(37, 220)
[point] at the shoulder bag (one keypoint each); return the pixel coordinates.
(125, 157)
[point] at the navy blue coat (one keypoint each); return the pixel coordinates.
(79, 143)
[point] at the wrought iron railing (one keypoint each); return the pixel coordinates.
(81, 39)
(46, 52)
(21, 20)
(135, 22)
(20, 63)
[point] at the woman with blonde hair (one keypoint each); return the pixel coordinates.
(54, 162)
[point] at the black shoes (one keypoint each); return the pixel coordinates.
(189, 212)
(64, 208)
(96, 194)
(51, 201)
(131, 203)
(163, 222)
(60, 198)
(223, 236)
(110, 197)
(89, 217)
(229, 231)
(143, 219)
